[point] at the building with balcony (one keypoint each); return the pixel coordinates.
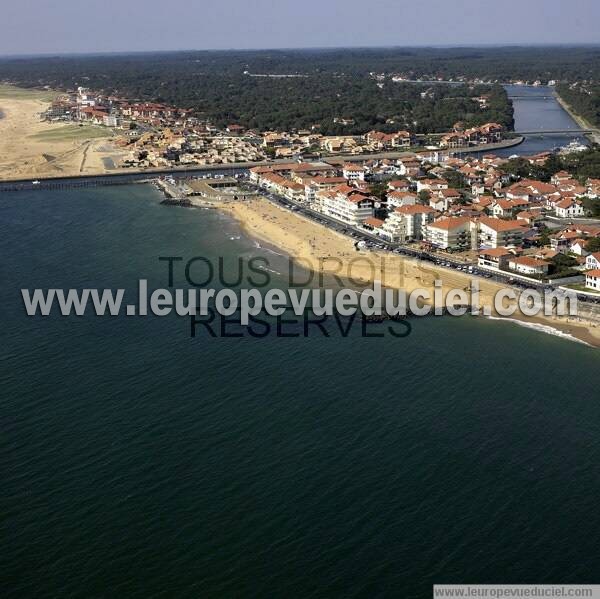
(454, 233)
(496, 258)
(495, 232)
(352, 208)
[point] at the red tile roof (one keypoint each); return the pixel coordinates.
(416, 209)
(451, 223)
(498, 224)
(528, 261)
(374, 222)
(497, 252)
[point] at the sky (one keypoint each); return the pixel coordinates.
(68, 26)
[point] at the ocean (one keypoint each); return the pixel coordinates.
(139, 461)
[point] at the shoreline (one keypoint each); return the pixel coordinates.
(581, 121)
(543, 328)
(311, 247)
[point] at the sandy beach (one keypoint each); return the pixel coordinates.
(30, 148)
(323, 250)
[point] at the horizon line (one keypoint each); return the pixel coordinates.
(498, 45)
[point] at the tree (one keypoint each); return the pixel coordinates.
(379, 189)
(563, 265)
(424, 196)
(545, 237)
(563, 261)
(455, 180)
(593, 245)
(592, 206)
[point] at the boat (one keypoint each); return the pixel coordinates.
(574, 145)
(36, 182)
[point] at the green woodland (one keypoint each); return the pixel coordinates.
(298, 89)
(584, 100)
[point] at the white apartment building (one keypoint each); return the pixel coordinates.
(109, 120)
(406, 223)
(310, 193)
(83, 97)
(352, 209)
(394, 228)
(495, 232)
(449, 233)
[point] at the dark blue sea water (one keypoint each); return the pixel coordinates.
(140, 462)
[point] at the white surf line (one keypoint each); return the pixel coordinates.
(542, 328)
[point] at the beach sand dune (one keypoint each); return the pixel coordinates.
(30, 148)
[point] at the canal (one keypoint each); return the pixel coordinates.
(536, 108)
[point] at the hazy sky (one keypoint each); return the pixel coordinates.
(55, 26)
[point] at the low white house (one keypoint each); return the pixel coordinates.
(578, 247)
(527, 265)
(494, 258)
(399, 185)
(442, 199)
(592, 279)
(395, 199)
(569, 209)
(431, 185)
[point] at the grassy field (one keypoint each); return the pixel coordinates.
(12, 92)
(73, 132)
(577, 287)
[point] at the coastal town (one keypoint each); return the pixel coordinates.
(468, 213)
(444, 194)
(447, 195)
(527, 228)
(154, 135)
(300, 300)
